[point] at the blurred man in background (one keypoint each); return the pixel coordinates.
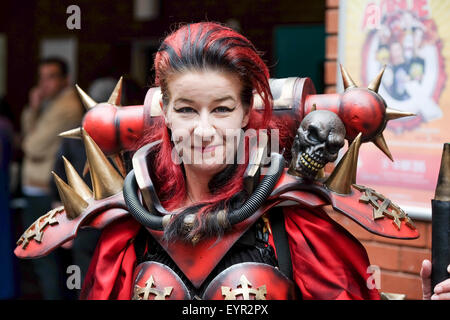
(53, 107)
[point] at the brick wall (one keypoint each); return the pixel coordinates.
(331, 45)
(399, 260)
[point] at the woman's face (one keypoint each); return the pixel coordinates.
(205, 114)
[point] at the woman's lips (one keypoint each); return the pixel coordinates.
(204, 149)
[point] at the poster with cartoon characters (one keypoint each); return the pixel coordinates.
(412, 38)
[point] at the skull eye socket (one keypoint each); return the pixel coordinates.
(334, 147)
(313, 134)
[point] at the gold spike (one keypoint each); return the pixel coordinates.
(313, 108)
(355, 157)
(71, 134)
(381, 144)
(116, 95)
(340, 180)
(442, 192)
(106, 181)
(392, 114)
(73, 202)
(320, 174)
(88, 102)
(375, 84)
(75, 181)
(118, 161)
(346, 79)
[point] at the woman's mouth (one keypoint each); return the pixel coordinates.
(204, 149)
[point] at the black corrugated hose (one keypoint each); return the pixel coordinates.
(251, 205)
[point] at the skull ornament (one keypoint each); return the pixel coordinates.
(319, 138)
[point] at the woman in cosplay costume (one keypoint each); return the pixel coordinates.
(215, 206)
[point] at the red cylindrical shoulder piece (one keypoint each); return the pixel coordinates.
(360, 109)
(130, 126)
(114, 128)
(329, 102)
(289, 96)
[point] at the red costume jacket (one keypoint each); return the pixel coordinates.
(328, 262)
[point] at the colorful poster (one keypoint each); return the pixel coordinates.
(412, 38)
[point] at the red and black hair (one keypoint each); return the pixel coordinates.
(206, 46)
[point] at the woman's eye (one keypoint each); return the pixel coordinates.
(223, 109)
(185, 110)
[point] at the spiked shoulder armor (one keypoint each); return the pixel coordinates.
(83, 208)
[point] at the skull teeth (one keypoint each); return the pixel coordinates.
(310, 162)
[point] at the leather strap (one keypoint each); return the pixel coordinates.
(280, 240)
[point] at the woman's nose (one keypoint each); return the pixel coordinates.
(204, 128)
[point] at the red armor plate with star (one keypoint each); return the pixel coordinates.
(55, 229)
(375, 213)
(250, 281)
(156, 281)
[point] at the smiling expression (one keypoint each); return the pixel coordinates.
(205, 113)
